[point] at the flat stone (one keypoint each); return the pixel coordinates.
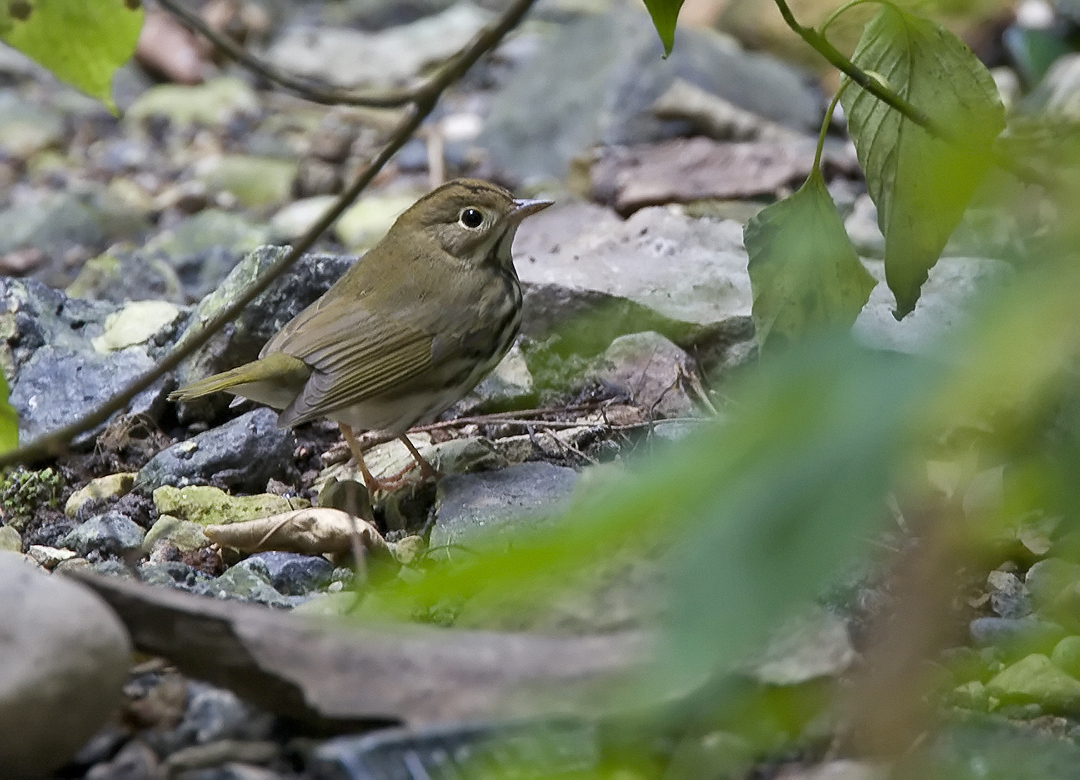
(610, 71)
(109, 486)
(688, 270)
(489, 507)
(211, 506)
(185, 535)
(809, 647)
(352, 58)
(10, 539)
(253, 180)
(685, 170)
(216, 102)
(64, 657)
(1016, 635)
(243, 454)
(49, 557)
(136, 323)
(953, 287)
(366, 221)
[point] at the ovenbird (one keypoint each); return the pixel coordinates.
(409, 329)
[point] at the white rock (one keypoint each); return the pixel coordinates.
(63, 659)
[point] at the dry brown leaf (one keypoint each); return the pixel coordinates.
(312, 531)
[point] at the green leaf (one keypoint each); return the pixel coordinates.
(920, 184)
(664, 13)
(804, 270)
(9, 421)
(82, 42)
(798, 483)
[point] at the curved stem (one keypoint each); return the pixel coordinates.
(836, 58)
(55, 442)
(828, 120)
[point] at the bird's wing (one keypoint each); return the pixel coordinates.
(354, 355)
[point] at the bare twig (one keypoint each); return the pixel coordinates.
(313, 91)
(423, 101)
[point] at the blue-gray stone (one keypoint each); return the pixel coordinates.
(108, 534)
(293, 574)
(242, 454)
(483, 507)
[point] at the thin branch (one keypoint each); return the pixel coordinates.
(55, 442)
(313, 91)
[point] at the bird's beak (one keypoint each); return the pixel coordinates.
(523, 208)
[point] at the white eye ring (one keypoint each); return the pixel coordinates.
(471, 218)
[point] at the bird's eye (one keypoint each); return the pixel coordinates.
(471, 218)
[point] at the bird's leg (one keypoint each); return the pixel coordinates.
(370, 482)
(426, 469)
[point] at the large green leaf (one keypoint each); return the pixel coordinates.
(804, 271)
(664, 13)
(921, 184)
(9, 421)
(799, 482)
(82, 42)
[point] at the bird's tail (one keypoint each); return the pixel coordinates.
(276, 369)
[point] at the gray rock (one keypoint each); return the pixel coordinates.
(26, 128)
(204, 248)
(109, 534)
(33, 315)
(351, 58)
(951, 290)
(246, 582)
(309, 278)
(489, 507)
(120, 276)
(651, 371)
(293, 574)
(1008, 596)
(808, 647)
(63, 659)
(172, 574)
(687, 270)
(242, 454)
(211, 714)
(608, 71)
(67, 219)
(58, 385)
